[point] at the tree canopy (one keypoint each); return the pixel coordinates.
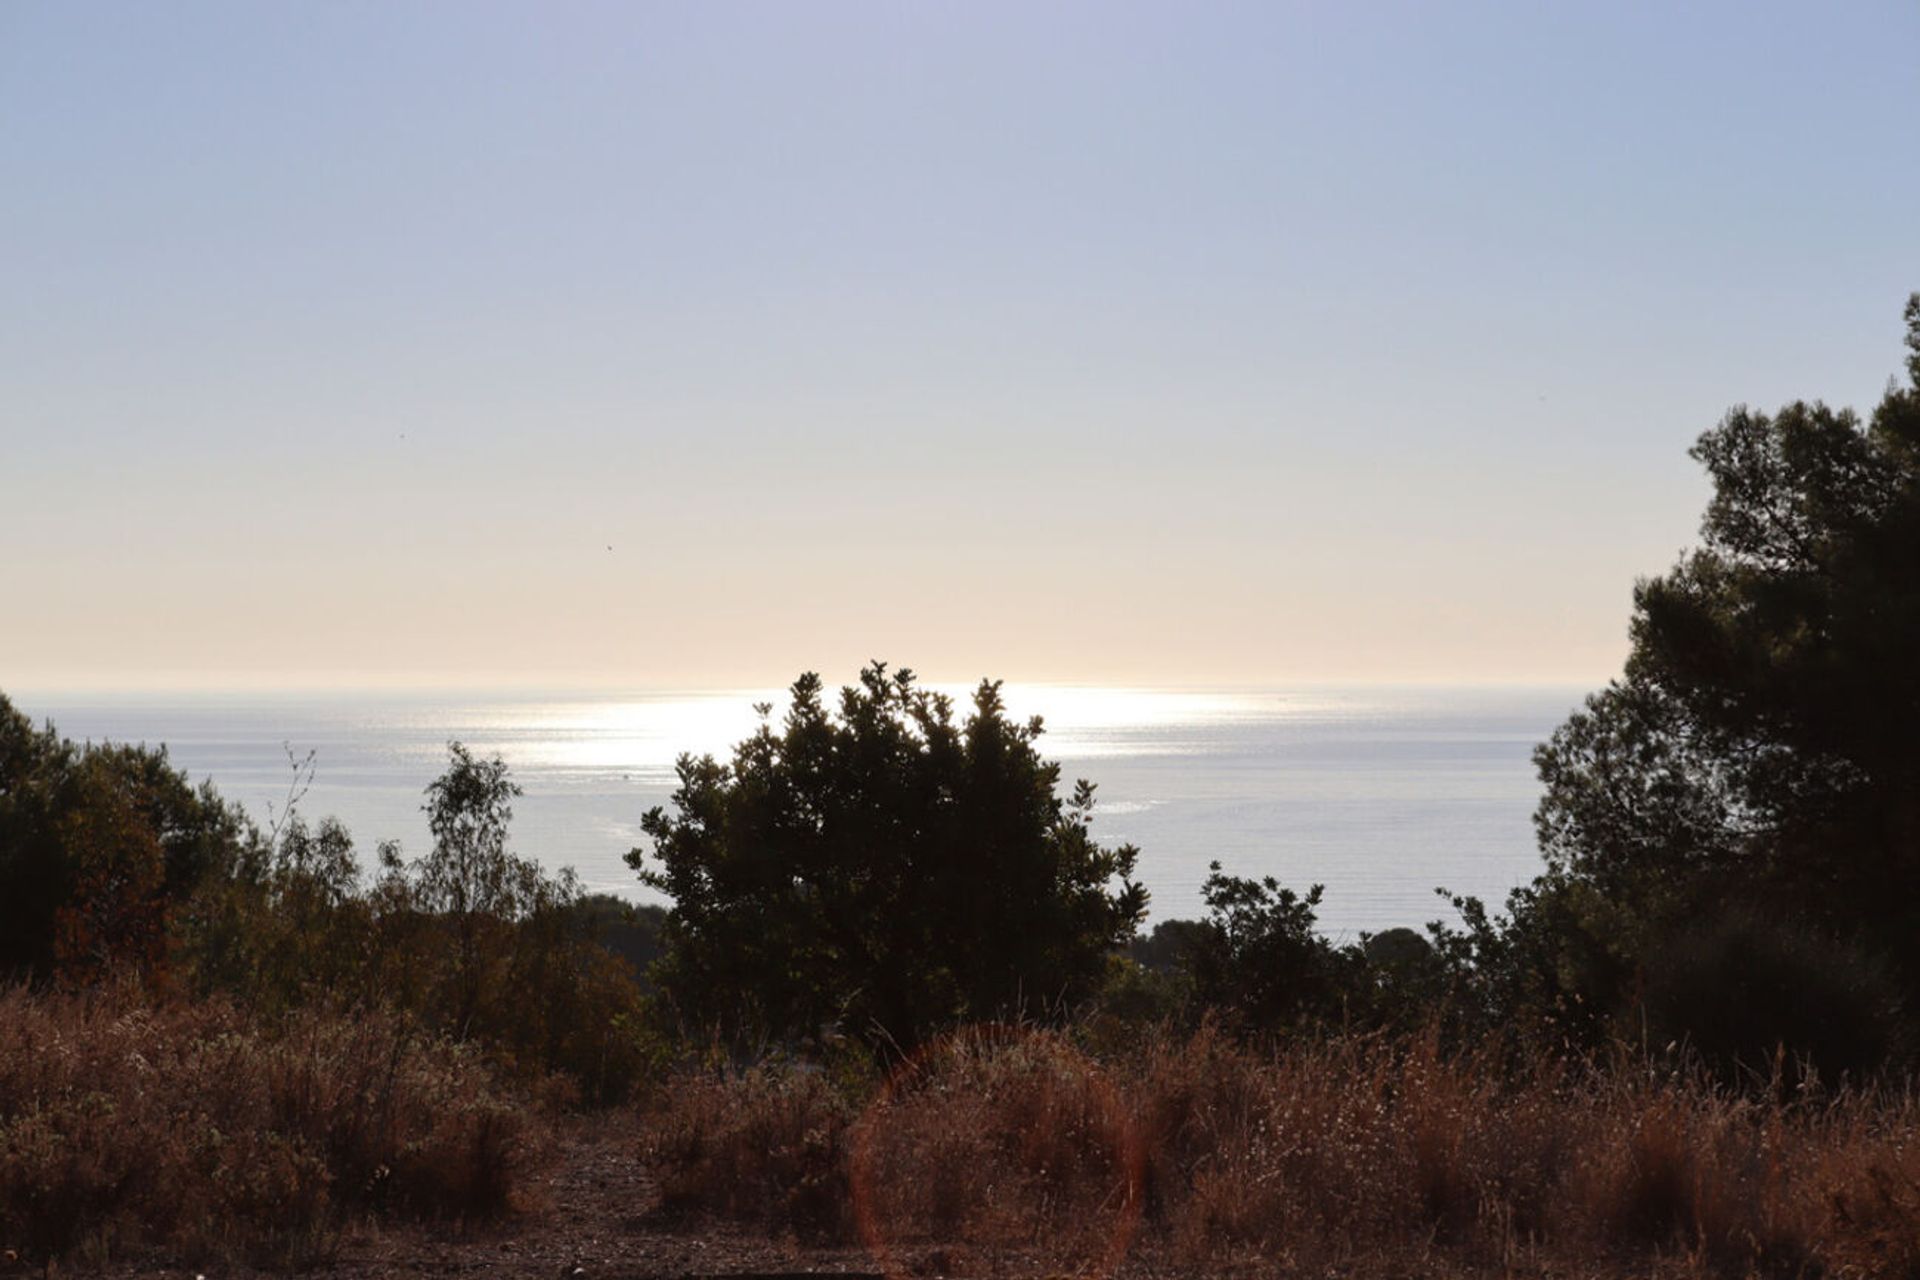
(96, 844)
(1762, 747)
(882, 866)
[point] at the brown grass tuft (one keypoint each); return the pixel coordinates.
(191, 1129)
(766, 1147)
(1357, 1154)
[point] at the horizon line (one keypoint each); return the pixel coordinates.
(522, 686)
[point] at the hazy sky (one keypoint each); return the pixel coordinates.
(698, 344)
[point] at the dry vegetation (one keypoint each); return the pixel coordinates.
(191, 1130)
(1354, 1155)
(125, 1125)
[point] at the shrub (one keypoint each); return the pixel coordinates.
(1258, 958)
(882, 866)
(1744, 992)
(767, 1146)
(99, 844)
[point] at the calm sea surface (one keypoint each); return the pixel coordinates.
(1379, 793)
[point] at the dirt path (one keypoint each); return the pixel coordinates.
(593, 1218)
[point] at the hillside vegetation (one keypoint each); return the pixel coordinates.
(902, 995)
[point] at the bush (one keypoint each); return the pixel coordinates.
(767, 1146)
(473, 940)
(98, 847)
(1257, 958)
(1751, 995)
(884, 868)
(998, 1135)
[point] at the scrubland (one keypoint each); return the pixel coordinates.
(1193, 1154)
(136, 1130)
(132, 1128)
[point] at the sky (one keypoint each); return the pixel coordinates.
(697, 345)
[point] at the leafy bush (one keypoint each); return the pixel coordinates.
(886, 868)
(98, 846)
(1752, 996)
(1257, 958)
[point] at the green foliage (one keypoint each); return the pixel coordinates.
(1133, 997)
(1169, 947)
(474, 887)
(112, 865)
(486, 945)
(98, 846)
(629, 931)
(1399, 979)
(1258, 963)
(1762, 745)
(287, 925)
(1549, 973)
(1258, 959)
(1753, 995)
(36, 876)
(883, 866)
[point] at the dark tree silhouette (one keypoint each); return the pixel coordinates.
(1257, 957)
(1763, 744)
(882, 867)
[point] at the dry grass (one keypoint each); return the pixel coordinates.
(190, 1129)
(1355, 1155)
(768, 1147)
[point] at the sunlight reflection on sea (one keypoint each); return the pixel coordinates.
(1382, 793)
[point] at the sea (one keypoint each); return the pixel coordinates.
(1382, 794)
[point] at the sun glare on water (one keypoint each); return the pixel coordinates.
(645, 735)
